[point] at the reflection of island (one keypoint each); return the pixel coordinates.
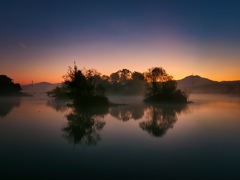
(127, 112)
(58, 105)
(7, 105)
(158, 119)
(161, 118)
(83, 125)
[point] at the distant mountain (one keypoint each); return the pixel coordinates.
(39, 87)
(190, 81)
(197, 84)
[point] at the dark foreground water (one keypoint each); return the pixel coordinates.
(43, 139)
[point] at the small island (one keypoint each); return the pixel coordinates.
(87, 87)
(161, 88)
(9, 88)
(82, 87)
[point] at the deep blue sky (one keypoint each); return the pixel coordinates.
(51, 19)
(42, 28)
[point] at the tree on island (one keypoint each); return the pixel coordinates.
(137, 76)
(125, 82)
(81, 86)
(121, 76)
(161, 87)
(8, 87)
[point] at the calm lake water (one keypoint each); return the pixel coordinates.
(41, 138)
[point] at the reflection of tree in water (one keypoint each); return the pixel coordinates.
(127, 112)
(58, 105)
(83, 125)
(7, 105)
(161, 118)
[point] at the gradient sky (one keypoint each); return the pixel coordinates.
(40, 39)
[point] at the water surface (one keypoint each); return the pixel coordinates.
(43, 138)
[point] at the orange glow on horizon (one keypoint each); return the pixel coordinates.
(178, 57)
(57, 78)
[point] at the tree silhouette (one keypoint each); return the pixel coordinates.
(82, 86)
(137, 76)
(7, 86)
(157, 74)
(94, 78)
(125, 75)
(124, 82)
(77, 84)
(121, 76)
(115, 77)
(161, 87)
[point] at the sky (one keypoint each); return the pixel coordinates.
(39, 39)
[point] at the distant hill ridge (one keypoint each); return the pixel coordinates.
(191, 84)
(39, 87)
(197, 84)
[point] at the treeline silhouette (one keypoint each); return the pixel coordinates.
(90, 87)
